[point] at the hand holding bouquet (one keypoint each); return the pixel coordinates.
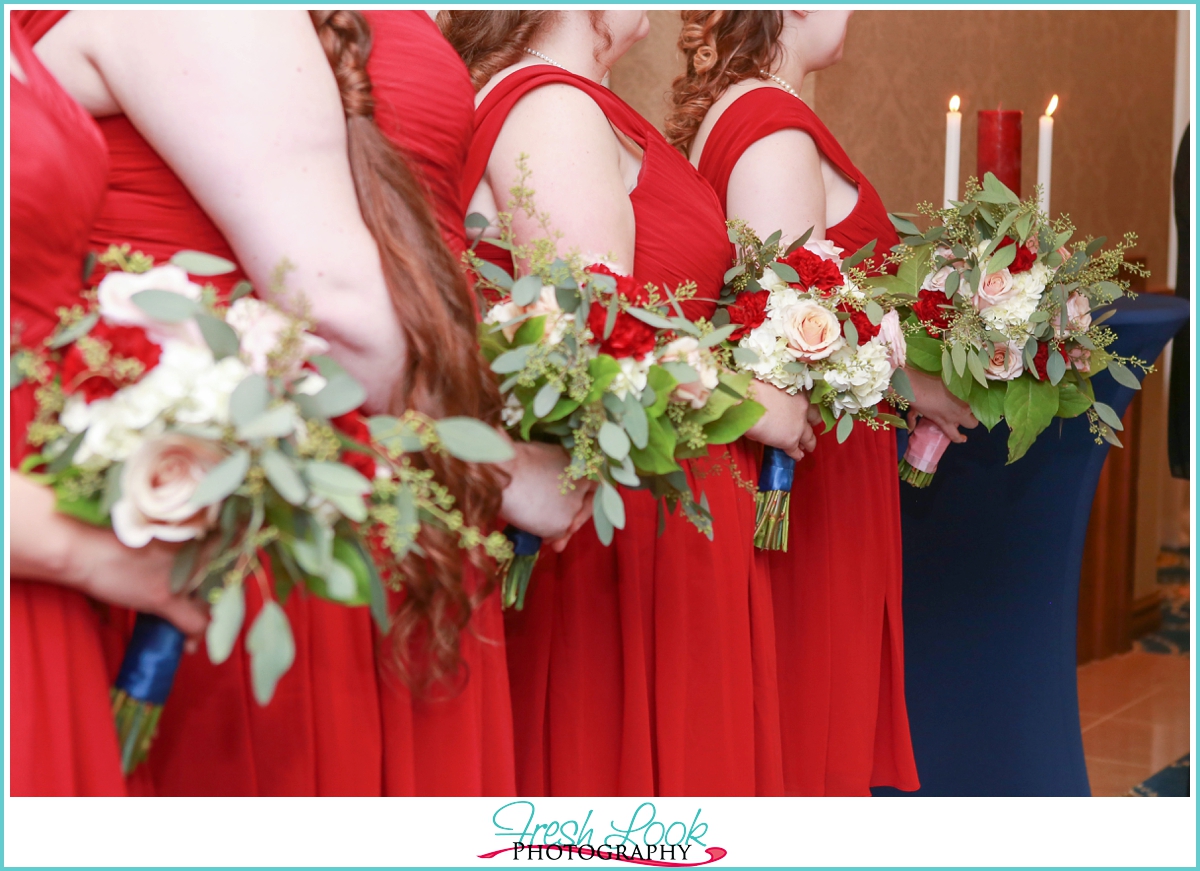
(613, 371)
(804, 320)
(222, 426)
(1002, 309)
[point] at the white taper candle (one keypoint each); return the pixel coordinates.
(1045, 150)
(953, 149)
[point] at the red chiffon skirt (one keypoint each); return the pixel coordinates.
(838, 625)
(648, 667)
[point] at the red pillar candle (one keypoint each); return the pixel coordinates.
(999, 148)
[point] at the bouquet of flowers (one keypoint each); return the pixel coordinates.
(171, 415)
(804, 319)
(1002, 309)
(613, 371)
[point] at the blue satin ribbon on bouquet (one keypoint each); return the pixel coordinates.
(143, 684)
(774, 500)
(526, 546)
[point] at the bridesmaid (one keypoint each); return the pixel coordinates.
(244, 116)
(837, 589)
(63, 741)
(646, 667)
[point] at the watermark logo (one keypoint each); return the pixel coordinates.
(646, 839)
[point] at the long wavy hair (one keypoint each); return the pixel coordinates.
(444, 375)
(490, 40)
(722, 48)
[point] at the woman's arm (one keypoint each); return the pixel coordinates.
(242, 105)
(51, 547)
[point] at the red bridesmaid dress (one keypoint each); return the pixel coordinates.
(647, 667)
(838, 625)
(339, 724)
(63, 741)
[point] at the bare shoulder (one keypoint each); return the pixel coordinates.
(718, 108)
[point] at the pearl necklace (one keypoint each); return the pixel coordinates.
(777, 81)
(546, 58)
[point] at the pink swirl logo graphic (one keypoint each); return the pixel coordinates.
(715, 854)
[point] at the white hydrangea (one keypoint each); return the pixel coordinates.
(1011, 317)
(770, 345)
(633, 376)
(859, 377)
(513, 411)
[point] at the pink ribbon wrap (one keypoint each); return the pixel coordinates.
(926, 446)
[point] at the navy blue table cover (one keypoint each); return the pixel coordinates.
(992, 557)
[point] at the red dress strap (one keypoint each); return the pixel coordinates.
(36, 23)
(757, 114)
(491, 114)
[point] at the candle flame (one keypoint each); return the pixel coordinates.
(954, 103)
(1053, 105)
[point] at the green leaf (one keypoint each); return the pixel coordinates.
(860, 255)
(850, 332)
(249, 399)
(658, 457)
(717, 336)
(473, 441)
(785, 272)
(184, 565)
(1108, 415)
(476, 221)
(612, 504)
(1056, 367)
(626, 473)
(77, 330)
(275, 423)
(494, 274)
(744, 356)
(874, 312)
(526, 290)
(392, 434)
(681, 372)
(283, 476)
(1123, 375)
(734, 423)
(988, 405)
(977, 367)
(637, 426)
(89, 266)
(225, 622)
(199, 263)
(904, 227)
(903, 385)
(1095, 245)
(221, 339)
(800, 242)
(610, 317)
(112, 488)
(165, 306)
(1072, 401)
(1002, 259)
(89, 510)
(604, 527)
(339, 581)
(953, 279)
(733, 272)
(545, 400)
(959, 355)
(242, 288)
(512, 361)
(335, 478)
(62, 461)
(663, 384)
(1029, 406)
(272, 650)
(602, 369)
(924, 352)
(341, 394)
(222, 480)
(844, 427)
(614, 442)
(649, 317)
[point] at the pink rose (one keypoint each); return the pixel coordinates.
(687, 350)
(1080, 358)
(115, 298)
(891, 333)
(1079, 312)
(261, 328)
(826, 250)
(812, 331)
(994, 289)
(937, 280)
(157, 485)
(1006, 363)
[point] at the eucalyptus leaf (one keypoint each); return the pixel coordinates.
(77, 330)
(225, 622)
(717, 336)
(165, 306)
(744, 356)
(494, 274)
(275, 423)
(184, 565)
(959, 355)
(512, 361)
(282, 475)
(335, 478)
(844, 426)
(1123, 375)
(1002, 259)
(1056, 367)
(272, 650)
(545, 400)
(341, 394)
(733, 272)
(1108, 415)
(249, 399)
(785, 272)
(604, 527)
(903, 385)
(859, 256)
(626, 473)
(222, 480)
(473, 441)
(800, 242)
(637, 426)
(339, 581)
(63, 460)
(649, 317)
(614, 442)
(977, 369)
(904, 226)
(221, 338)
(199, 263)
(526, 290)
(874, 312)
(242, 288)
(850, 332)
(476, 221)
(613, 505)
(681, 372)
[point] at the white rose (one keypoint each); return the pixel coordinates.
(892, 335)
(1006, 363)
(115, 297)
(771, 281)
(502, 313)
(157, 485)
(261, 327)
(812, 331)
(687, 350)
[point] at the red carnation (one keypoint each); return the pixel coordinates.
(630, 337)
(814, 271)
(749, 310)
(352, 425)
(862, 323)
(929, 309)
(1024, 259)
(123, 343)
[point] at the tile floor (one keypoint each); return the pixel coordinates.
(1134, 711)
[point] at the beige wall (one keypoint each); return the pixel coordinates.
(886, 102)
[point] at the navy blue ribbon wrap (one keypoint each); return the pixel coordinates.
(778, 471)
(151, 660)
(524, 543)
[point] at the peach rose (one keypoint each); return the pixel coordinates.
(1006, 363)
(261, 328)
(812, 331)
(994, 289)
(157, 485)
(687, 350)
